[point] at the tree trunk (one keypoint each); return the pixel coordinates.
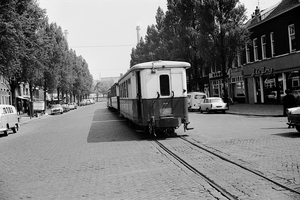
(12, 85)
(31, 100)
(58, 91)
(45, 95)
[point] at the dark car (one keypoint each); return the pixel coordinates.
(294, 117)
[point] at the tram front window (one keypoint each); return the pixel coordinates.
(164, 85)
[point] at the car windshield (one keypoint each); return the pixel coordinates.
(216, 100)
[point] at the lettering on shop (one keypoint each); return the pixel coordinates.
(263, 71)
(215, 74)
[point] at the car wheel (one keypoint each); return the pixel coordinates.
(5, 133)
(14, 129)
(298, 128)
(201, 111)
(207, 110)
(223, 111)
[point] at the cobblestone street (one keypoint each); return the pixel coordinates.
(99, 156)
(96, 157)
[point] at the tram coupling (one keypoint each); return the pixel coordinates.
(185, 125)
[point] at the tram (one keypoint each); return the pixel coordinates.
(153, 95)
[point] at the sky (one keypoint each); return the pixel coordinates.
(104, 32)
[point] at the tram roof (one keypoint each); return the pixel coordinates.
(158, 64)
(161, 63)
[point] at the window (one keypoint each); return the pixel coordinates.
(292, 37)
(255, 49)
(164, 85)
(272, 44)
(239, 63)
(247, 54)
(263, 47)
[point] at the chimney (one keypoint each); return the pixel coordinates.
(138, 34)
(257, 12)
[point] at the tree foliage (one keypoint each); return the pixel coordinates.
(207, 33)
(36, 52)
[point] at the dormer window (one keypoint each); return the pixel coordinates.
(292, 37)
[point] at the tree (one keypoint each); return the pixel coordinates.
(223, 25)
(102, 87)
(36, 52)
(153, 47)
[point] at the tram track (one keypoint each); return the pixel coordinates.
(187, 161)
(195, 171)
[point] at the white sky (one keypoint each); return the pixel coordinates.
(104, 31)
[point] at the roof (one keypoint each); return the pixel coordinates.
(158, 64)
(272, 12)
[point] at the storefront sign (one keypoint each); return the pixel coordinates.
(262, 72)
(215, 74)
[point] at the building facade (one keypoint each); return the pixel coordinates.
(5, 95)
(271, 63)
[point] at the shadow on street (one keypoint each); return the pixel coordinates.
(108, 127)
(293, 134)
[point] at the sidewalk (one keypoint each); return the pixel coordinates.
(25, 118)
(256, 110)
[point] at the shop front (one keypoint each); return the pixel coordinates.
(237, 85)
(216, 84)
(267, 80)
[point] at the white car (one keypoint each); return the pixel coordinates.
(56, 109)
(194, 100)
(213, 104)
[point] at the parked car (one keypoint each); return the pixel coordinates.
(296, 94)
(8, 119)
(194, 100)
(73, 106)
(92, 101)
(83, 102)
(56, 109)
(294, 117)
(273, 95)
(213, 104)
(65, 107)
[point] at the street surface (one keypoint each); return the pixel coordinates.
(91, 153)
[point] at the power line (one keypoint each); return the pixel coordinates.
(104, 46)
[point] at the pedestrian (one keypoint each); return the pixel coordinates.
(289, 101)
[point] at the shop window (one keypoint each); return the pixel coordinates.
(295, 82)
(292, 37)
(255, 49)
(215, 87)
(164, 85)
(272, 44)
(263, 47)
(239, 89)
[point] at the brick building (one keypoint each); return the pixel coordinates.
(271, 63)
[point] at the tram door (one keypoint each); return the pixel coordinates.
(139, 96)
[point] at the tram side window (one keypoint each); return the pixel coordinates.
(164, 85)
